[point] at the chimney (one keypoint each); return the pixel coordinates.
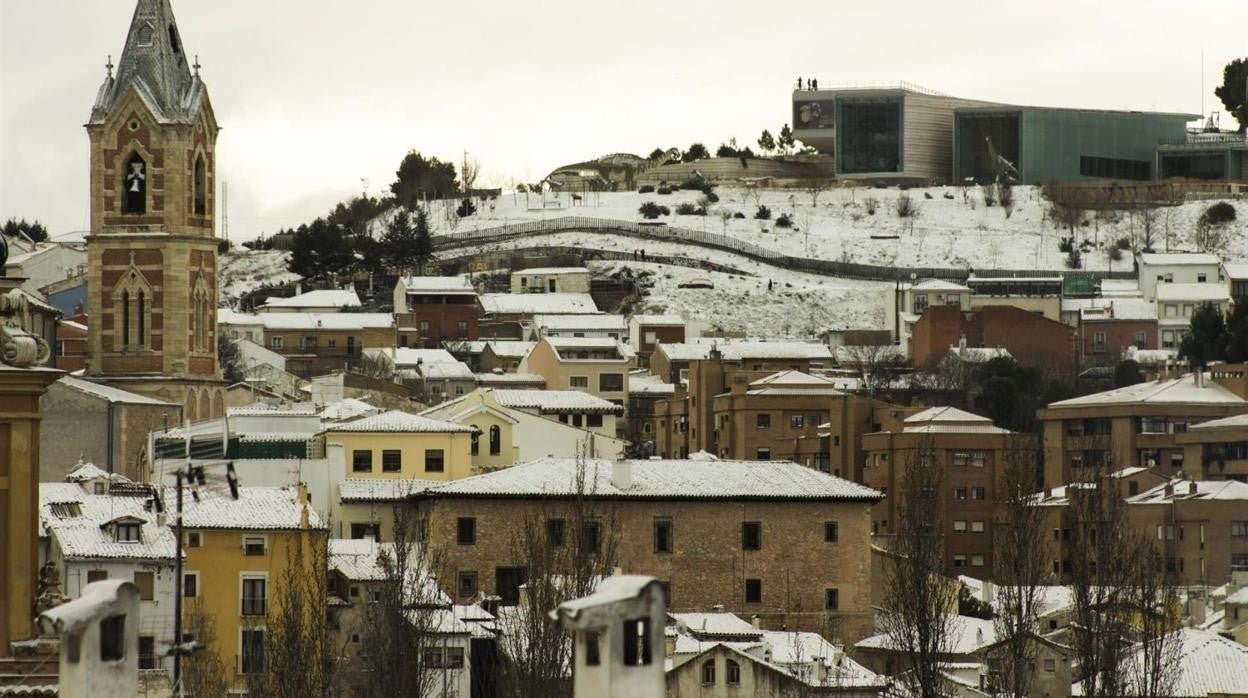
(1191, 488)
(1169, 488)
(717, 608)
(962, 343)
(622, 474)
(755, 621)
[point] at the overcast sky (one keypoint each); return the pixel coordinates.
(314, 95)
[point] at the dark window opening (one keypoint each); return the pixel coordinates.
(831, 532)
(435, 460)
(139, 318)
(507, 583)
(496, 440)
(113, 639)
(592, 655)
(147, 652)
(751, 535)
(466, 530)
(391, 461)
(831, 599)
(663, 536)
(555, 532)
(592, 537)
(468, 584)
(868, 135)
(753, 591)
(1114, 168)
(360, 531)
(362, 461)
(201, 186)
(637, 642)
(134, 184)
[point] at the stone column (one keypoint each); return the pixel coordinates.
(20, 389)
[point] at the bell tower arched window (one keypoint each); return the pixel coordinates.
(201, 185)
(201, 320)
(134, 186)
(132, 311)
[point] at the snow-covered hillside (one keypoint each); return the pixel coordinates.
(243, 271)
(952, 231)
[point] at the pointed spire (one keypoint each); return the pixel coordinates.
(153, 62)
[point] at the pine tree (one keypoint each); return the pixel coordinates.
(398, 242)
(422, 253)
(35, 231)
(786, 141)
(1233, 92)
(766, 142)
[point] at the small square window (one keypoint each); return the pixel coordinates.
(762, 421)
(797, 421)
(753, 591)
(466, 530)
(578, 381)
(831, 532)
(763, 454)
(977, 526)
(253, 545)
(194, 539)
(467, 584)
(362, 461)
(977, 561)
(959, 527)
(435, 460)
(391, 461)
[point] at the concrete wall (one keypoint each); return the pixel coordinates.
(68, 411)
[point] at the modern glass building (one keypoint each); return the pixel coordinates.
(1205, 156)
(1051, 144)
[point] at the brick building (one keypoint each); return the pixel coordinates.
(971, 454)
(1031, 338)
(1219, 446)
(645, 332)
(1109, 327)
(430, 310)
(1137, 425)
(769, 539)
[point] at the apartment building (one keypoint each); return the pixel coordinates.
(1031, 338)
(431, 310)
(596, 366)
(1177, 302)
(1137, 425)
(318, 343)
(645, 332)
(972, 455)
(600, 325)
(1219, 446)
(1109, 327)
(762, 539)
(1159, 268)
(685, 422)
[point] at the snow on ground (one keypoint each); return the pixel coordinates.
(947, 232)
(798, 305)
(243, 271)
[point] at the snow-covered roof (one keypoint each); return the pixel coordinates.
(229, 316)
(939, 285)
(949, 420)
(966, 636)
(1235, 270)
(739, 350)
(410, 357)
(720, 624)
(109, 393)
(1171, 259)
(566, 345)
(502, 378)
(555, 401)
(325, 321)
(1192, 292)
(945, 414)
(1120, 288)
(538, 303)
(659, 320)
(396, 421)
(257, 508)
(78, 521)
(359, 560)
(663, 479)
(450, 370)
(262, 410)
(1172, 391)
(347, 408)
(327, 298)
(791, 378)
(1204, 490)
(1104, 309)
(85, 472)
(388, 489)
(592, 321)
(442, 285)
(549, 271)
(648, 384)
(510, 349)
(1238, 421)
(1207, 663)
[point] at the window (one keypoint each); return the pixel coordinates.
(708, 672)
(961, 458)
(113, 639)
(147, 653)
(578, 381)
(753, 591)
(1050, 664)
(145, 582)
(764, 454)
(128, 532)
(595, 420)
(831, 599)
(467, 584)
(762, 421)
(662, 535)
(362, 461)
(1239, 562)
(496, 440)
(1098, 342)
(751, 535)
(434, 460)
(194, 539)
(454, 658)
(1140, 340)
(253, 545)
(592, 536)
(423, 328)
(332, 343)
(461, 328)
(978, 493)
(252, 658)
(255, 596)
(977, 526)
(959, 527)
(134, 184)
(797, 421)
(556, 530)
(592, 656)
(1114, 168)
(611, 382)
(959, 561)
(977, 561)
(96, 576)
(1239, 529)
(466, 530)
(637, 642)
(360, 531)
(831, 532)
(190, 585)
(276, 342)
(959, 494)
(476, 440)
(1201, 278)
(391, 461)
(732, 673)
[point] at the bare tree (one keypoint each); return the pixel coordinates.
(469, 171)
(1018, 561)
(1156, 667)
(568, 547)
(919, 601)
(299, 658)
(815, 188)
(203, 671)
(401, 621)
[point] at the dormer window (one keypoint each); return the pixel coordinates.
(146, 32)
(127, 532)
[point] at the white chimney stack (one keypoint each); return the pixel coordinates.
(622, 474)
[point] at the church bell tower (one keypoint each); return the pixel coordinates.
(152, 252)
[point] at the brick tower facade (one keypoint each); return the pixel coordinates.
(152, 252)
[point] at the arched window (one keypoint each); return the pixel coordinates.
(708, 672)
(476, 440)
(125, 318)
(496, 440)
(201, 185)
(732, 673)
(139, 319)
(134, 186)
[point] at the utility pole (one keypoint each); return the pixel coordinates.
(177, 579)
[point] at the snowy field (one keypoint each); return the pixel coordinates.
(947, 231)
